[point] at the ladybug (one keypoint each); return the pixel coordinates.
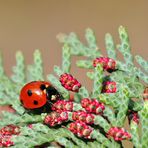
(38, 95)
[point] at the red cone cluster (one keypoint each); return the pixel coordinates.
(83, 116)
(81, 129)
(55, 118)
(62, 105)
(133, 116)
(118, 133)
(69, 82)
(109, 87)
(6, 134)
(107, 63)
(92, 106)
(5, 141)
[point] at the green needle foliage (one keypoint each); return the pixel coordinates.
(130, 79)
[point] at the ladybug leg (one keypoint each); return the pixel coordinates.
(49, 103)
(44, 109)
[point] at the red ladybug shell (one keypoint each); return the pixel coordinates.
(33, 94)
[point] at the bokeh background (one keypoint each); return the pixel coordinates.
(27, 25)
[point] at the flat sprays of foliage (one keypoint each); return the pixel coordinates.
(81, 118)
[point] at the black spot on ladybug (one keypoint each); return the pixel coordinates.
(29, 92)
(35, 102)
(42, 87)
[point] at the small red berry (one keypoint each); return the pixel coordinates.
(118, 133)
(81, 129)
(55, 118)
(62, 105)
(69, 82)
(6, 134)
(109, 87)
(133, 116)
(107, 63)
(83, 116)
(10, 130)
(92, 106)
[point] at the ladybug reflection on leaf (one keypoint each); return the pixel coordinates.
(38, 96)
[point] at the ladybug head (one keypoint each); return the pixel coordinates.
(37, 94)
